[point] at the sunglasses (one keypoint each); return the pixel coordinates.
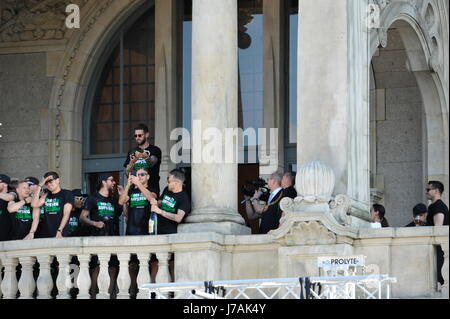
(142, 174)
(50, 181)
(31, 184)
(428, 189)
(138, 135)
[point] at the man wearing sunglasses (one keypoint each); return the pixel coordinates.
(57, 204)
(144, 155)
(437, 216)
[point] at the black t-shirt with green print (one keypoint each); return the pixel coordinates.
(106, 210)
(54, 212)
(5, 221)
(172, 202)
(138, 212)
(22, 221)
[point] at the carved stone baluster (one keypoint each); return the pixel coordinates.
(63, 281)
(123, 279)
(163, 275)
(45, 281)
(103, 280)
(84, 279)
(143, 275)
(27, 285)
(9, 283)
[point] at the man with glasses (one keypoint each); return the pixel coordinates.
(57, 204)
(144, 155)
(437, 216)
(5, 197)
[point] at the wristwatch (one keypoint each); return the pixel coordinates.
(59, 231)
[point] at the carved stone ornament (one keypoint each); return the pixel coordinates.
(29, 20)
(315, 182)
(340, 207)
(308, 233)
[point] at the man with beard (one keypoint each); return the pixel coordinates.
(138, 196)
(26, 218)
(57, 204)
(5, 197)
(75, 228)
(100, 211)
(144, 155)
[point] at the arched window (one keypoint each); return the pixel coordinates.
(125, 95)
(122, 96)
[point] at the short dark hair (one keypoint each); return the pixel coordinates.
(291, 177)
(419, 209)
(52, 174)
(178, 175)
(141, 126)
(437, 185)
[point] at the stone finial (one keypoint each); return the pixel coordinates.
(315, 182)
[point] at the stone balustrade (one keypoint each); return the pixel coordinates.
(408, 254)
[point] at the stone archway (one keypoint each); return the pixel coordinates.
(422, 28)
(99, 22)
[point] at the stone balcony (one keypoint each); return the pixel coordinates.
(291, 251)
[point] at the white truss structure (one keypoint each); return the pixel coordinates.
(333, 287)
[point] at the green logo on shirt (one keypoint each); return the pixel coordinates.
(105, 209)
(73, 223)
(52, 205)
(138, 200)
(24, 213)
(168, 204)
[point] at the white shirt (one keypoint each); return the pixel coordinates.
(273, 194)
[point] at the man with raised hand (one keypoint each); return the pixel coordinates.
(57, 204)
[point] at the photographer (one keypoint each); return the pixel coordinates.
(269, 212)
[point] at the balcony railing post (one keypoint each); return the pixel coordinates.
(143, 275)
(45, 281)
(84, 279)
(27, 285)
(63, 281)
(123, 279)
(103, 280)
(163, 274)
(9, 283)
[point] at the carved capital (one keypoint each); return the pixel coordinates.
(308, 233)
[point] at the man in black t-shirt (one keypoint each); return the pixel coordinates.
(5, 197)
(75, 228)
(174, 204)
(437, 216)
(138, 194)
(144, 155)
(57, 204)
(25, 218)
(100, 211)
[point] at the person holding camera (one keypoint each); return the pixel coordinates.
(145, 155)
(268, 211)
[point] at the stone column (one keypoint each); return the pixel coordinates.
(166, 81)
(274, 84)
(9, 283)
(214, 108)
(26, 282)
(45, 281)
(143, 275)
(332, 103)
(63, 281)
(123, 279)
(84, 279)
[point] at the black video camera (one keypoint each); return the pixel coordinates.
(256, 184)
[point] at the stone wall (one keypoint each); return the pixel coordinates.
(399, 133)
(25, 94)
